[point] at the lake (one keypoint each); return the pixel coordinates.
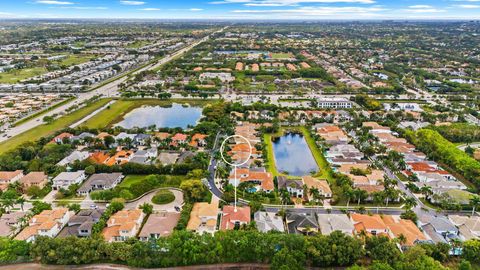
(292, 155)
(169, 117)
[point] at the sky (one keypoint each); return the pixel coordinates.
(244, 9)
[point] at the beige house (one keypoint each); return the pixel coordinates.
(7, 178)
(38, 179)
(123, 225)
(203, 218)
(47, 223)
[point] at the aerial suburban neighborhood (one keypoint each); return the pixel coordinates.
(240, 144)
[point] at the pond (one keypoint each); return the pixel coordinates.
(169, 117)
(293, 156)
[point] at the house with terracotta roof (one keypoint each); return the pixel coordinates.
(198, 140)
(405, 227)
(7, 178)
(159, 225)
(47, 223)
(161, 136)
(322, 186)
(203, 218)
(232, 219)
(239, 66)
(99, 157)
(119, 158)
(60, 138)
(372, 225)
(123, 225)
(262, 179)
(38, 179)
(102, 135)
(304, 65)
(179, 138)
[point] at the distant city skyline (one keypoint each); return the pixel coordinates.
(244, 9)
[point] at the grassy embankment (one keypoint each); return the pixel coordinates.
(324, 169)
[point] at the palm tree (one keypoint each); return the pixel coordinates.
(378, 198)
(21, 201)
(360, 195)
(349, 194)
(402, 239)
(426, 191)
(314, 193)
(284, 196)
(474, 202)
(410, 203)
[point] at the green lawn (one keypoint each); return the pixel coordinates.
(325, 171)
(117, 110)
(131, 179)
(138, 44)
(48, 129)
(281, 55)
(75, 59)
(16, 75)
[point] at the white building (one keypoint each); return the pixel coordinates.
(66, 179)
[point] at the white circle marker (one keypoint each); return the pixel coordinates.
(236, 165)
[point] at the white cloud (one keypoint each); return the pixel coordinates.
(420, 6)
(149, 9)
(196, 9)
(85, 8)
(132, 3)
(467, 6)
(53, 2)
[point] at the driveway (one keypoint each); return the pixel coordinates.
(147, 198)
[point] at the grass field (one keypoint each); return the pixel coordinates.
(48, 129)
(131, 179)
(14, 76)
(138, 44)
(325, 171)
(117, 110)
(281, 55)
(75, 59)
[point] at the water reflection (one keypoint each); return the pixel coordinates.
(293, 156)
(170, 117)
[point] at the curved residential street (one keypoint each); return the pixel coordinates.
(147, 198)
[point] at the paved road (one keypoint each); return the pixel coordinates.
(147, 198)
(473, 145)
(212, 167)
(86, 118)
